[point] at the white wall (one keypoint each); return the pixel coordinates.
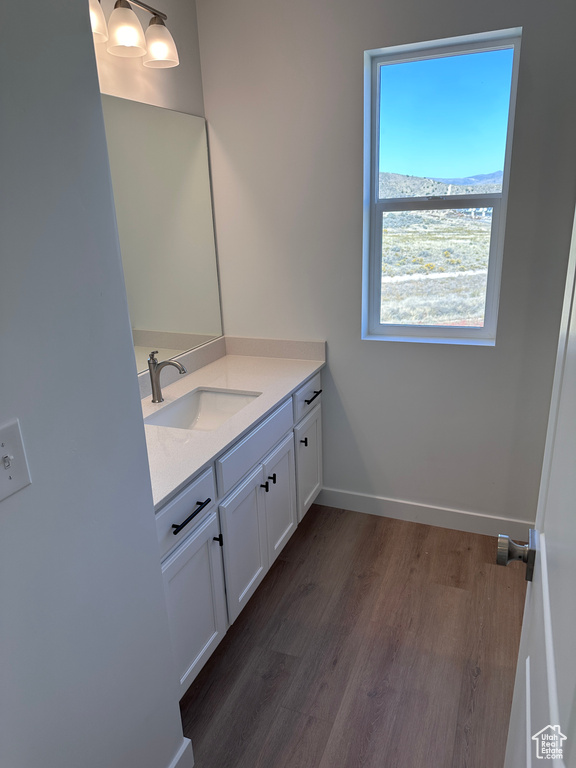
(178, 88)
(86, 672)
(409, 428)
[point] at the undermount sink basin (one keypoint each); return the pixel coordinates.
(202, 409)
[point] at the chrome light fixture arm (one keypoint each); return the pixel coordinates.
(148, 8)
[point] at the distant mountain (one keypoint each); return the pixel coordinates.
(400, 185)
(481, 178)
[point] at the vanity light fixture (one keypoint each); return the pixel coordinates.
(125, 36)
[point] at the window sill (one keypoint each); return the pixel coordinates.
(415, 338)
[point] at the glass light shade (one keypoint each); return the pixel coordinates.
(161, 47)
(98, 22)
(125, 34)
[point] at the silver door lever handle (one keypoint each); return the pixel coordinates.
(509, 550)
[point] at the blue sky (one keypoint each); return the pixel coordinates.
(445, 117)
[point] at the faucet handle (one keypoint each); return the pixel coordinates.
(151, 356)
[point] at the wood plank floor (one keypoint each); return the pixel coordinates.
(371, 642)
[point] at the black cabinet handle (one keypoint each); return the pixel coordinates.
(265, 485)
(314, 396)
(219, 539)
(305, 441)
(178, 528)
(273, 478)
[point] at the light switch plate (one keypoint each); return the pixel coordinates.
(14, 472)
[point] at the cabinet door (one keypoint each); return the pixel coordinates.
(280, 496)
(196, 599)
(243, 521)
(308, 435)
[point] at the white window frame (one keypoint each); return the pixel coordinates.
(372, 328)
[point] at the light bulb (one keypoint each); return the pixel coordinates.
(127, 36)
(158, 50)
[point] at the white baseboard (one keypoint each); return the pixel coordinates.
(443, 517)
(184, 757)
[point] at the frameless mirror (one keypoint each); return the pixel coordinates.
(161, 182)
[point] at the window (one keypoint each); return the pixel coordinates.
(438, 128)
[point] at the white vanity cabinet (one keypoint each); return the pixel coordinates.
(220, 535)
(259, 516)
(308, 440)
(195, 598)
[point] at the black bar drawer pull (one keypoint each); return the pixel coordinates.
(305, 441)
(273, 478)
(178, 528)
(314, 396)
(265, 485)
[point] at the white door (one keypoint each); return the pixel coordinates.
(543, 720)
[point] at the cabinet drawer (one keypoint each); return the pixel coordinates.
(307, 392)
(239, 460)
(182, 507)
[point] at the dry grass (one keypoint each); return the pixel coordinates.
(434, 267)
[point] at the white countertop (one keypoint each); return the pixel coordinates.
(176, 455)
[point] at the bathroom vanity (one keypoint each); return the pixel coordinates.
(235, 448)
(230, 488)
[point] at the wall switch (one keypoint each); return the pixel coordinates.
(14, 472)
